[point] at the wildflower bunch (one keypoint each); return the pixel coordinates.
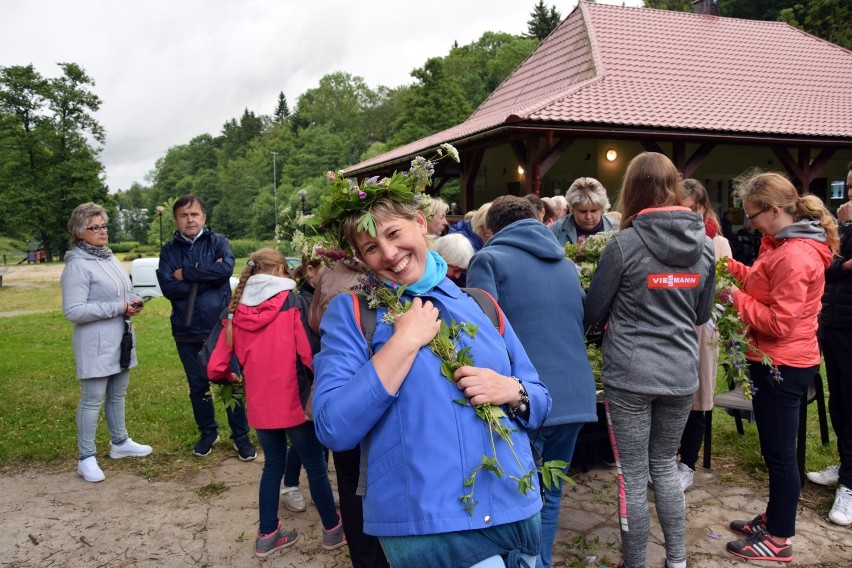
(445, 345)
(586, 254)
(347, 197)
(733, 335)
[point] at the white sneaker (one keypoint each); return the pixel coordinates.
(684, 475)
(828, 476)
(88, 469)
(293, 499)
(841, 511)
(129, 449)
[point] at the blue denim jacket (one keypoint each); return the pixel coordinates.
(422, 443)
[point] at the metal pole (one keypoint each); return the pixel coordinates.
(160, 210)
(275, 190)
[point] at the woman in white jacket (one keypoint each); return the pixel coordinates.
(97, 297)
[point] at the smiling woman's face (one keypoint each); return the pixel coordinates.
(398, 251)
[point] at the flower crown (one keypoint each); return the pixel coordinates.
(348, 198)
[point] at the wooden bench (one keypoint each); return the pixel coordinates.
(2, 272)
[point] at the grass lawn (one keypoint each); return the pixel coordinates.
(40, 395)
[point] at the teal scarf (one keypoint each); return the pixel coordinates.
(436, 270)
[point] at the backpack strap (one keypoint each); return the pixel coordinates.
(488, 305)
(365, 317)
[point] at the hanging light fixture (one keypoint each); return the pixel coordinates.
(611, 155)
(520, 170)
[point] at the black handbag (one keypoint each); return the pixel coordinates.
(126, 346)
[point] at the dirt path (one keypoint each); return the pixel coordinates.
(210, 519)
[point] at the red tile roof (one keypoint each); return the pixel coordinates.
(621, 67)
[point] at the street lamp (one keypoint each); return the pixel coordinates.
(160, 210)
(302, 193)
(275, 190)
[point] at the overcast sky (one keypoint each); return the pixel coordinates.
(169, 70)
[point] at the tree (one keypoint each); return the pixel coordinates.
(50, 162)
(282, 112)
(673, 5)
(543, 21)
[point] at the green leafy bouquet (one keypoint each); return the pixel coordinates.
(445, 346)
(733, 335)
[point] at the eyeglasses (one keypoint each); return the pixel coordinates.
(98, 228)
(750, 218)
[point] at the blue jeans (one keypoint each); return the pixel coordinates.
(776, 412)
(304, 439)
(553, 443)
(294, 467)
(202, 399)
(92, 394)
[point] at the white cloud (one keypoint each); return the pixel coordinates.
(167, 70)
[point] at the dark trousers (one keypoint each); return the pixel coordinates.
(274, 444)
(364, 549)
(776, 412)
(202, 399)
(837, 350)
(692, 438)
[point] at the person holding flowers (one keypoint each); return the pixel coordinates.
(439, 400)
(779, 301)
(654, 283)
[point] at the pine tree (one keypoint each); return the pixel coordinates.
(282, 111)
(543, 21)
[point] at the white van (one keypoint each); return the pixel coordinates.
(143, 274)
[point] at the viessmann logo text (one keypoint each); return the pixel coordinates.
(673, 280)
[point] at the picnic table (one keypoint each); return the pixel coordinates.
(2, 272)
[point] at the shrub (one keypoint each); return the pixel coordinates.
(244, 247)
(126, 246)
(148, 249)
(132, 256)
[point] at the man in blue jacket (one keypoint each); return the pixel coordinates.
(194, 274)
(524, 267)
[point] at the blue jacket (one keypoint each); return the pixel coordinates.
(526, 271)
(420, 444)
(565, 229)
(464, 227)
(199, 263)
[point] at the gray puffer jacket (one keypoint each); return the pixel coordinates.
(94, 291)
(654, 283)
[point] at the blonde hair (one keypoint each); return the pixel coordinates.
(478, 221)
(771, 189)
(80, 217)
(587, 191)
(437, 207)
(263, 261)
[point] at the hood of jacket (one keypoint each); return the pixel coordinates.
(529, 235)
(674, 235)
(810, 232)
(261, 301)
(803, 229)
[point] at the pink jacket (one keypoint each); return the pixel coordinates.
(780, 299)
(272, 345)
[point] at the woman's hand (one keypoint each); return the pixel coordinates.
(419, 325)
(482, 385)
(133, 308)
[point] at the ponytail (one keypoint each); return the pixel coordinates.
(811, 207)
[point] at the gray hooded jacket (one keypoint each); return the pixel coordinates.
(94, 291)
(655, 282)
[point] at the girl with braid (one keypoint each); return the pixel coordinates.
(267, 328)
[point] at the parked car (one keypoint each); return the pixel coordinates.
(143, 274)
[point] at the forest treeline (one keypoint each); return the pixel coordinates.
(50, 143)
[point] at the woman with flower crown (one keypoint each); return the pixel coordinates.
(443, 486)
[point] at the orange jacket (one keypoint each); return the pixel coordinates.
(780, 299)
